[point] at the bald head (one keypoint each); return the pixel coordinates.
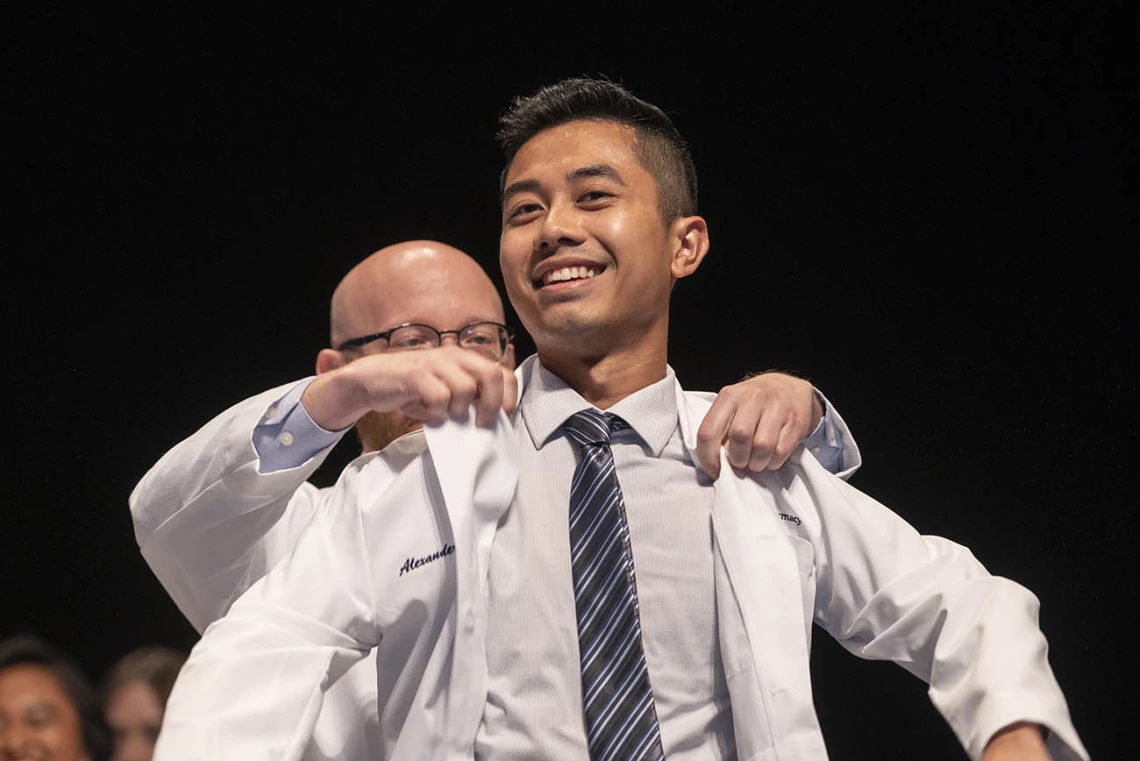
(419, 281)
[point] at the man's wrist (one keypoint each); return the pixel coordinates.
(818, 409)
(1016, 739)
(331, 400)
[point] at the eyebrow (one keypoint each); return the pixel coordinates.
(44, 707)
(605, 171)
(522, 186)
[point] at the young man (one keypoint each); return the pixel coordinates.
(569, 584)
(221, 508)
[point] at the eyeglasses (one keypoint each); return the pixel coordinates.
(488, 338)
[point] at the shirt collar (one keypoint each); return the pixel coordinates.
(410, 444)
(547, 401)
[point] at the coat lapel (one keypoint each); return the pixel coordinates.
(760, 607)
(476, 470)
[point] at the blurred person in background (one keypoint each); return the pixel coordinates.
(48, 709)
(134, 700)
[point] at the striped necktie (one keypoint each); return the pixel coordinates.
(621, 720)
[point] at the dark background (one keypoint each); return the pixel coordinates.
(930, 212)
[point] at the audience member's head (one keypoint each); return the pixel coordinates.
(48, 709)
(134, 700)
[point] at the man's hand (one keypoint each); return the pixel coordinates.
(1017, 742)
(760, 421)
(426, 384)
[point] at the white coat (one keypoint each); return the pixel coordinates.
(791, 547)
(210, 523)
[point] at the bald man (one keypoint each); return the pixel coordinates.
(225, 505)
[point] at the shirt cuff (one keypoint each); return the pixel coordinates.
(286, 437)
(825, 443)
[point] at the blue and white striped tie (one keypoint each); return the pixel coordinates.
(621, 720)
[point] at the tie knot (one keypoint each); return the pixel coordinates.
(593, 427)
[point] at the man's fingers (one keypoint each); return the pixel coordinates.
(473, 379)
(711, 434)
(490, 399)
(434, 383)
(439, 385)
(759, 421)
(429, 399)
(498, 389)
(467, 384)
(510, 390)
(787, 443)
(750, 436)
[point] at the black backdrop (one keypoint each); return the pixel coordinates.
(930, 213)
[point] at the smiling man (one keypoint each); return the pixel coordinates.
(599, 226)
(606, 598)
(599, 202)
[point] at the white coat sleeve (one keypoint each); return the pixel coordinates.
(209, 523)
(254, 684)
(888, 593)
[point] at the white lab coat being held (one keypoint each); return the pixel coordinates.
(397, 560)
(212, 517)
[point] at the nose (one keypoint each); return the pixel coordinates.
(449, 335)
(561, 226)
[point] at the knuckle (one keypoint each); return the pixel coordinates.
(739, 434)
(764, 443)
(760, 394)
(706, 433)
(465, 388)
(435, 398)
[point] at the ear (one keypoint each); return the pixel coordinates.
(329, 359)
(690, 238)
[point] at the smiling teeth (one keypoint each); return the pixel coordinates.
(568, 273)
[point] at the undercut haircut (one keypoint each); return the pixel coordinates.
(658, 145)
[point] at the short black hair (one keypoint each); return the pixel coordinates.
(658, 145)
(29, 650)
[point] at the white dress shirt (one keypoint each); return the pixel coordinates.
(534, 702)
